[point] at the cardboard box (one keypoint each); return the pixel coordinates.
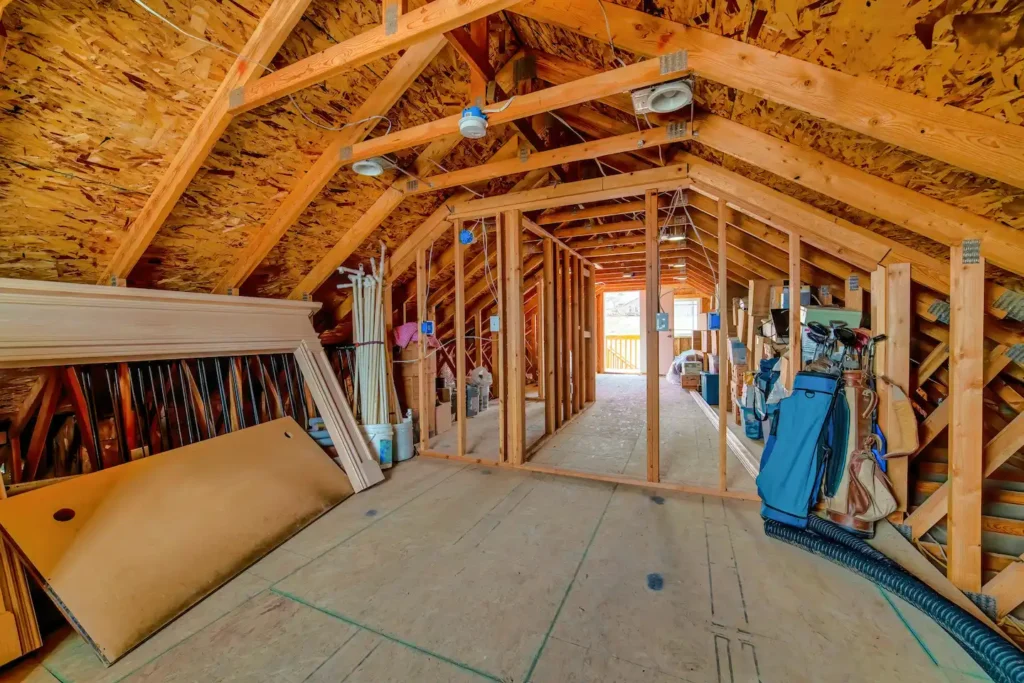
(693, 367)
(443, 413)
(690, 382)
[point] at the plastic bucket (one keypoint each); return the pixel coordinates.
(751, 425)
(381, 441)
(403, 441)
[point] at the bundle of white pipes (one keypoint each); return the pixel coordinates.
(370, 379)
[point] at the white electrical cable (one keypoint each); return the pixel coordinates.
(608, 27)
(266, 67)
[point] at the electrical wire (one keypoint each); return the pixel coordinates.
(266, 67)
(608, 27)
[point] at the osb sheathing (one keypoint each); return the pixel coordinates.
(98, 95)
(876, 39)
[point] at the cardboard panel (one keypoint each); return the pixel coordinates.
(144, 541)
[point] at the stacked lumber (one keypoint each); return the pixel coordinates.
(19, 631)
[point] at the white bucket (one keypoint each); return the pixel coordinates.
(403, 441)
(380, 438)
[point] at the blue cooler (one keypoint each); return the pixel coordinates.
(709, 387)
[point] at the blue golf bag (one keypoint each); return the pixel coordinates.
(805, 448)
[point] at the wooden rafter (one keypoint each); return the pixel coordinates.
(432, 19)
(306, 189)
(644, 73)
(261, 47)
(959, 137)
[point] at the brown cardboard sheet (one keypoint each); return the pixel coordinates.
(144, 541)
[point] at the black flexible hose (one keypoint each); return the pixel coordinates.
(1000, 660)
(834, 532)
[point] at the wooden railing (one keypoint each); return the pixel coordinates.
(622, 353)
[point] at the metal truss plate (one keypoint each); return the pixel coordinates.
(971, 252)
(524, 154)
(1016, 354)
(854, 283)
(236, 98)
(391, 19)
(940, 309)
(412, 185)
(1012, 303)
(676, 130)
(673, 62)
(345, 153)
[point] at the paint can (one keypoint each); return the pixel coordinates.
(380, 437)
(403, 440)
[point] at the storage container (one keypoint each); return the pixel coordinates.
(751, 425)
(709, 387)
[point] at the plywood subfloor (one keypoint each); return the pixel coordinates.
(611, 437)
(448, 572)
(482, 432)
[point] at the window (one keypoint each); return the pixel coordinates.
(685, 316)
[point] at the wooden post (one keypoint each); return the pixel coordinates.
(600, 332)
(853, 297)
(577, 339)
(499, 353)
(591, 300)
(538, 336)
(795, 352)
(558, 314)
(478, 332)
(426, 402)
(759, 303)
(515, 406)
(548, 365)
(651, 286)
(724, 371)
(966, 361)
(898, 314)
(567, 335)
(460, 338)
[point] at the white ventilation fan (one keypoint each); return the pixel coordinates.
(664, 98)
(473, 124)
(372, 167)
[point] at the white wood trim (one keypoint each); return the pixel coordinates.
(49, 323)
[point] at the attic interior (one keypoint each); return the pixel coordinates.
(392, 340)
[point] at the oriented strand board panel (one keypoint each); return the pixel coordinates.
(149, 539)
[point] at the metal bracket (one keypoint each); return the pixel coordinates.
(1016, 354)
(236, 98)
(826, 290)
(307, 297)
(345, 153)
(1012, 303)
(524, 154)
(391, 19)
(492, 91)
(971, 251)
(854, 283)
(940, 309)
(672, 62)
(412, 185)
(676, 130)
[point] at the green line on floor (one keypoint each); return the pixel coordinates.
(388, 636)
(909, 628)
(568, 589)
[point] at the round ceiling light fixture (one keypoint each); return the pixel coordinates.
(371, 167)
(673, 233)
(473, 124)
(669, 97)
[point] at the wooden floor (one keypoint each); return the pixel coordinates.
(449, 572)
(482, 432)
(611, 437)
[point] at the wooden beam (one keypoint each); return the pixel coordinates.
(725, 372)
(956, 136)
(263, 44)
(81, 408)
(592, 334)
(413, 27)
(912, 210)
(523, 106)
(652, 137)
(380, 100)
(40, 431)
(580, 192)
(652, 288)
(545, 235)
(460, 339)
(600, 211)
(1007, 588)
(426, 393)
(515, 401)
(577, 330)
(559, 319)
(853, 293)
(795, 351)
(598, 229)
(895, 363)
(550, 342)
(967, 278)
(567, 335)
